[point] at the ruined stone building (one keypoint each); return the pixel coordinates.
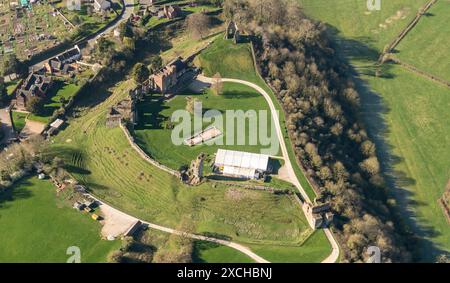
(123, 111)
(233, 32)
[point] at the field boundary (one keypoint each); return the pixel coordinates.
(419, 72)
(444, 200)
(405, 31)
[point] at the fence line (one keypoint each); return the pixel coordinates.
(404, 32)
(420, 72)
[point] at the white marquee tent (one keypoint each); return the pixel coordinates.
(241, 164)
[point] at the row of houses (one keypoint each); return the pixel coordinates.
(167, 11)
(64, 63)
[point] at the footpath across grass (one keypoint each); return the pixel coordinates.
(420, 145)
(38, 227)
(414, 109)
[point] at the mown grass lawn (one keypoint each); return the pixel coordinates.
(156, 140)
(61, 93)
(37, 227)
(19, 120)
(235, 61)
(426, 46)
(291, 253)
(208, 252)
(102, 159)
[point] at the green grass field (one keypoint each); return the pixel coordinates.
(413, 108)
(419, 135)
(235, 61)
(157, 141)
(19, 120)
(426, 46)
(208, 252)
(352, 20)
(289, 253)
(102, 159)
(37, 227)
(11, 86)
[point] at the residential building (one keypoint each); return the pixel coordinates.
(35, 85)
(64, 63)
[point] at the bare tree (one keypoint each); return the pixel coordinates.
(198, 25)
(217, 84)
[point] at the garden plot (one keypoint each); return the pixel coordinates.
(29, 30)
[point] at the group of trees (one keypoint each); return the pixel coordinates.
(3, 93)
(198, 25)
(20, 156)
(12, 65)
(321, 102)
(169, 248)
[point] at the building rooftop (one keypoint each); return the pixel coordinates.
(242, 159)
(57, 123)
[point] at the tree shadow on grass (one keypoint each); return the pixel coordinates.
(15, 192)
(217, 236)
(47, 107)
(373, 111)
(199, 247)
(232, 94)
(149, 112)
(77, 170)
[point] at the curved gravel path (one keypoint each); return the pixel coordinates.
(115, 213)
(333, 257)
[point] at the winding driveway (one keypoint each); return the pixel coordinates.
(289, 168)
(115, 213)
